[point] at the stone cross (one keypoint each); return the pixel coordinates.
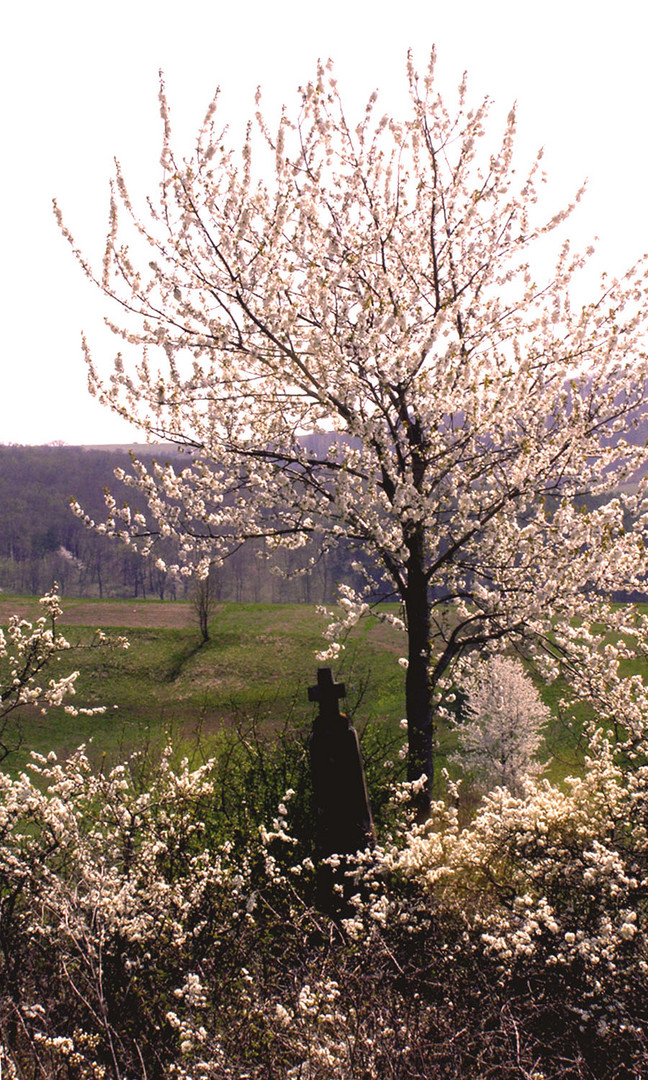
(327, 693)
(343, 823)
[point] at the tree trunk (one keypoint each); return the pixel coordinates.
(418, 697)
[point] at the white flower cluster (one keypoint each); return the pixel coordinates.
(552, 880)
(27, 652)
(26, 649)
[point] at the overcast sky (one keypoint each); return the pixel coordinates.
(78, 81)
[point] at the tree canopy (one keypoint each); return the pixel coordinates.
(375, 280)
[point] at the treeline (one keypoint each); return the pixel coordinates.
(41, 541)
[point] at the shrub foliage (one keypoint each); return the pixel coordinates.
(142, 936)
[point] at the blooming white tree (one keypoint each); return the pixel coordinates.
(503, 727)
(374, 281)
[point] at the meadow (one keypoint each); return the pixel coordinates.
(258, 663)
(254, 671)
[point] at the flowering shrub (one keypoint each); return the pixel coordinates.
(547, 895)
(127, 943)
(27, 650)
(135, 941)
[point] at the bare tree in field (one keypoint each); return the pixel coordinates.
(203, 602)
(375, 280)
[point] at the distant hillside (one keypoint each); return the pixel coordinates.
(161, 450)
(41, 541)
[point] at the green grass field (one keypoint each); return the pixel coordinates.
(259, 661)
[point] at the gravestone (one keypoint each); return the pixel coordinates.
(343, 823)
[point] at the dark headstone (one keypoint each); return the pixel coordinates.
(343, 823)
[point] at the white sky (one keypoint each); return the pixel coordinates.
(78, 84)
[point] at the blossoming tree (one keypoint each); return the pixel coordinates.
(504, 717)
(374, 281)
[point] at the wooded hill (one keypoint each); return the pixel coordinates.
(41, 541)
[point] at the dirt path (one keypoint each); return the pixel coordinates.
(168, 615)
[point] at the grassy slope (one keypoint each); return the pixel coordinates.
(259, 660)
